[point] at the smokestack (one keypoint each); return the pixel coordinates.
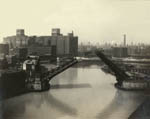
(124, 36)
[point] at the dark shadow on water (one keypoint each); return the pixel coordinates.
(121, 101)
(85, 64)
(36, 100)
(60, 105)
(143, 111)
(16, 109)
(70, 86)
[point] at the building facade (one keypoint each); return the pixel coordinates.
(19, 40)
(119, 52)
(4, 49)
(64, 45)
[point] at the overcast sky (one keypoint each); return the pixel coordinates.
(92, 20)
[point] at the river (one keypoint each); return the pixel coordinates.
(83, 91)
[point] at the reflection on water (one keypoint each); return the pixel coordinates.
(83, 91)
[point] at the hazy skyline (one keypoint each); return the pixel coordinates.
(92, 20)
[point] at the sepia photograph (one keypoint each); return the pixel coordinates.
(74, 59)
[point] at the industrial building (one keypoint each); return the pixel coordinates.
(63, 45)
(19, 40)
(120, 52)
(4, 49)
(40, 50)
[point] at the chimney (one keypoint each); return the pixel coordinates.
(124, 36)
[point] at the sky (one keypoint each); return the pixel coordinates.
(95, 21)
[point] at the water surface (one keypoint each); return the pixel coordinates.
(83, 91)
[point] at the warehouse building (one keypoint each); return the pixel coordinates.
(4, 49)
(19, 40)
(62, 45)
(119, 52)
